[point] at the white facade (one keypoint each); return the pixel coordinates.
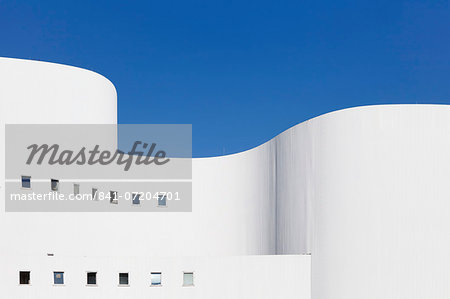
(351, 204)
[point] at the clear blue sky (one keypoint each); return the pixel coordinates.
(241, 71)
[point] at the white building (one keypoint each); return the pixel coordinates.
(351, 204)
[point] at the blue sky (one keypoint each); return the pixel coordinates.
(241, 71)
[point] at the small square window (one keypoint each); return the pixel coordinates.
(113, 197)
(94, 194)
(26, 182)
(54, 185)
(76, 189)
(24, 277)
(188, 279)
(155, 278)
(58, 277)
(123, 279)
(136, 197)
(91, 278)
(162, 200)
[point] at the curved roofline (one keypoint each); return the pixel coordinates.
(317, 117)
(232, 154)
(56, 64)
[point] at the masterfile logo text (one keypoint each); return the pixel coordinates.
(94, 156)
(121, 167)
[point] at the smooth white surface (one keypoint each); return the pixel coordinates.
(382, 203)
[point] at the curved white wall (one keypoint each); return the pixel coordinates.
(371, 184)
(364, 190)
(49, 93)
(232, 215)
(40, 92)
(381, 205)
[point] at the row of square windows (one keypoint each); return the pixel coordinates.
(113, 195)
(91, 278)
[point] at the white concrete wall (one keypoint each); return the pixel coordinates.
(232, 215)
(364, 190)
(214, 277)
(371, 184)
(35, 92)
(294, 177)
(382, 203)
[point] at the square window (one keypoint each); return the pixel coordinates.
(54, 185)
(162, 200)
(155, 278)
(26, 182)
(94, 194)
(76, 189)
(58, 277)
(24, 277)
(91, 278)
(123, 278)
(136, 197)
(188, 279)
(113, 197)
